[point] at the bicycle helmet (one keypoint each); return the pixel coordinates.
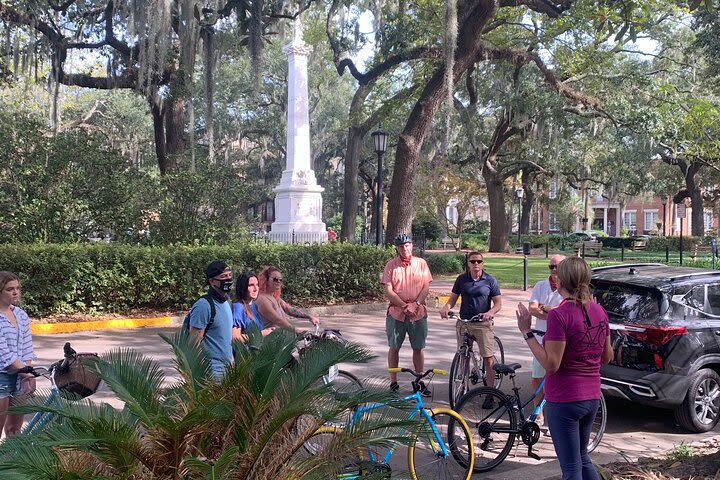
(403, 238)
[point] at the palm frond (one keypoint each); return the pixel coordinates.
(136, 379)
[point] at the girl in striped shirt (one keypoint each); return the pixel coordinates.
(16, 351)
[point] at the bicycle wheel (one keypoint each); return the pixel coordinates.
(425, 454)
(346, 382)
(459, 375)
(598, 427)
(321, 440)
(493, 422)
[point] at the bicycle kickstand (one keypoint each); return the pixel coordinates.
(532, 454)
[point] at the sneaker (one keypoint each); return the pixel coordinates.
(488, 403)
(394, 387)
(424, 391)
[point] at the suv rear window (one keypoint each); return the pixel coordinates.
(627, 302)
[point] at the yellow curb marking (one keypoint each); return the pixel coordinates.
(443, 299)
(69, 327)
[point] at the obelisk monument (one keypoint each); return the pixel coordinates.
(298, 199)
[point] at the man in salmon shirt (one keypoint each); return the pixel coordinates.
(407, 283)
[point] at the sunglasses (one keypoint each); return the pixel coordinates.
(276, 279)
(475, 262)
(552, 267)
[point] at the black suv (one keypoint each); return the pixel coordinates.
(665, 331)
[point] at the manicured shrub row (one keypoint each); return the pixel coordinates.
(93, 278)
(445, 263)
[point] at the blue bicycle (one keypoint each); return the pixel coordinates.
(69, 379)
(440, 445)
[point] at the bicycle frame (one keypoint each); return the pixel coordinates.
(418, 408)
(40, 419)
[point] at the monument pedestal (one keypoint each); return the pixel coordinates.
(298, 209)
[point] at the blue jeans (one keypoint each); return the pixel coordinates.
(570, 425)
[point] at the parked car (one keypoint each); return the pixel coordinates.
(665, 332)
(585, 236)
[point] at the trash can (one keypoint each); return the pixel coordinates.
(526, 248)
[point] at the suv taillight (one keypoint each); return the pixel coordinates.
(655, 335)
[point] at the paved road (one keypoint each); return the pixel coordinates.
(632, 431)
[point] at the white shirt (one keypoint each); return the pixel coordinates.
(543, 294)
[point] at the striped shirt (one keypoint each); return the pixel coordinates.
(15, 343)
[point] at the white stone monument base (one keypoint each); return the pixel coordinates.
(298, 210)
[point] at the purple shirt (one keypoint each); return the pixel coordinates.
(578, 377)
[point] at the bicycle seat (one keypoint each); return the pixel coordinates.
(506, 369)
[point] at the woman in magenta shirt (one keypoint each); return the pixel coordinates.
(576, 343)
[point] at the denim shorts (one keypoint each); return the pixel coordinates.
(8, 385)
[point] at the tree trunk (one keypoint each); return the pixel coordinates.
(174, 131)
(498, 239)
(527, 201)
(159, 132)
(696, 201)
(356, 134)
(350, 183)
(407, 157)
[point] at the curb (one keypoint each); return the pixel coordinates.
(170, 321)
(119, 323)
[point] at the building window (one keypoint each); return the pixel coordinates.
(269, 211)
(553, 222)
(708, 221)
(630, 221)
(650, 221)
(552, 190)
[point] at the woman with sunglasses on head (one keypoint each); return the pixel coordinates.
(272, 307)
(245, 312)
(16, 352)
(576, 343)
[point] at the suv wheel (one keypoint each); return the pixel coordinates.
(700, 410)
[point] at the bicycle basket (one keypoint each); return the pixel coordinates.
(77, 382)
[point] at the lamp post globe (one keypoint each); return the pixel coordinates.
(380, 142)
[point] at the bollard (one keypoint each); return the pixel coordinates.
(547, 248)
(525, 273)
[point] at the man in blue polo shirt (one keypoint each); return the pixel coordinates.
(215, 333)
(480, 295)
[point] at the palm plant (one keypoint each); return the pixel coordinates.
(245, 426)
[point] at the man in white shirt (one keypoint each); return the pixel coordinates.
(544, 297)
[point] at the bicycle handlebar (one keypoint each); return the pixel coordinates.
(418, 376)
(62, 366)
(477, 318)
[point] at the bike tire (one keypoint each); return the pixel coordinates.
(425, 456)
(459, 377)
(598, 427)
(346, 382)
(494, 429)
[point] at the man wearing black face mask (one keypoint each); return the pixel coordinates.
(215, 331)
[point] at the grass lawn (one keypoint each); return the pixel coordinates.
(509, 270)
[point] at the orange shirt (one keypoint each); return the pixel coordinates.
(407, 281)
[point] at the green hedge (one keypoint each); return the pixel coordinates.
(94, 278)
(445, 263)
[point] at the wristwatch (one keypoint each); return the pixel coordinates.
(529, 335)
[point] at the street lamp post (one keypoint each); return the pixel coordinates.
(380, 141)
(519, 192)
(663, 200)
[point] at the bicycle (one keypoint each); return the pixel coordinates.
(440, 446)
(341, 381)
(69, 379)
(498, 426)
(468, 367)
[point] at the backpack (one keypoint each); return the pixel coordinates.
(186, 321)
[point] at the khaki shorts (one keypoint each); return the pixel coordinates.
(483, 333)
